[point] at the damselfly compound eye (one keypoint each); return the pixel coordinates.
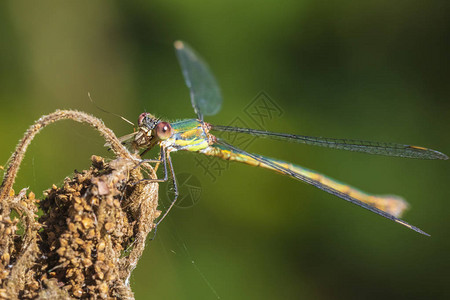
(163, 130)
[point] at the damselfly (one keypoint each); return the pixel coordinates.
(195, 135)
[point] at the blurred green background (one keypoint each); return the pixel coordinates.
(376, 70)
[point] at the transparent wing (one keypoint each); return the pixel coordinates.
(327, 188)
(380, 148)
(205, 92)
(125, 140)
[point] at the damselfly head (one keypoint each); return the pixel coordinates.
(145, 135)
(151, 131)
(148, 121)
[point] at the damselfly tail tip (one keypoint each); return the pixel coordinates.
(392, 204)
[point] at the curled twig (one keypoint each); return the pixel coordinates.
(77, 247)
(19, 153)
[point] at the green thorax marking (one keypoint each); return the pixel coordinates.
(190, 135)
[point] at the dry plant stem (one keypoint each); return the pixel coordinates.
(28, 249)
(75, 249)
(19, 153)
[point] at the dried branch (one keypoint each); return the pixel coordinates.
(92, 231)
